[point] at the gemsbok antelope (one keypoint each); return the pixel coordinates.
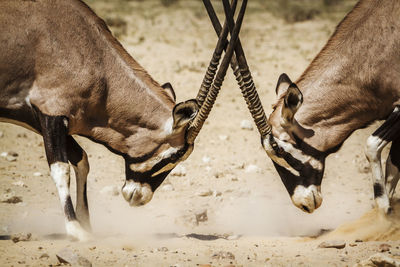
(352, 82)
(62, 73)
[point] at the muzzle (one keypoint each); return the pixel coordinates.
(308, 198)
(136, 194)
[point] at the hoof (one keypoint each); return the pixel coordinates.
(75, 230)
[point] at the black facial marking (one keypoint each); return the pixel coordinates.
(146, 177)
(69, 209)
(378, 190)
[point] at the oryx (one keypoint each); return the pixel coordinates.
(352, 82)
(62, 73)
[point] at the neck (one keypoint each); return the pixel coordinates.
(344, 89)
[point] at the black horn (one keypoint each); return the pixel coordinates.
(208, 103)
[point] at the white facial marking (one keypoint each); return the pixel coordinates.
(28, 101)
(309, 197)
(280, 161)
(149, 164)
(299, 155)
(136, 193)
(168, 126)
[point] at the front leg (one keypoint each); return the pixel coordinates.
(386, 133)
(392, 168)
(78, 158)
(54, 130)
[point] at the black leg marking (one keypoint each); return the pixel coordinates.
(69, 210)
(378, 190)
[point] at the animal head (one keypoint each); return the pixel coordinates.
(298, 163)
(160, 153)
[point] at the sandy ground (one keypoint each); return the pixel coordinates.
(250, 218)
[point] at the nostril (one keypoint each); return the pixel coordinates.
(305, 208)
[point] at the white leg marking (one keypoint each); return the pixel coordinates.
(60, 173)
(373, 152)
(82, 211)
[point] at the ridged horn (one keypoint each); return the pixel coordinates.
(216, 57)
(208, 103)
(242, 73)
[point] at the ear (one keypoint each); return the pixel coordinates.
(184, 112)
(292, 101)
(169, 90)
(283, 84)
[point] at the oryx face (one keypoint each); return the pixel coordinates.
(159, 156)
(299, 165)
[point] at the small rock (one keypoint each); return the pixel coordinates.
(206, 159)
(339, 244)
(206, 193)
(201, 216)
(218, 174)
(163, 249)
(12, 154)
(68, 256)
(37, 174)
(246, 125)
(3, 154)
(167, 188)
(352, 244)
(251, 168)
(179, 170)
(378, 260)
(1, 134)
(11, 158)
(110, 190)
(384, 247)
(21, 237)
(221, 255)
(12, 200)
(223, 137)
(216, 193)
(44, 256)
(19, 183)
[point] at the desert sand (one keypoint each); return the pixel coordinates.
(250, 218)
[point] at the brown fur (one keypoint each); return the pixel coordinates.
(354, 80)
(63, 57)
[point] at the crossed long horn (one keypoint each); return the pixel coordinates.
(208, 103)
(242, 72)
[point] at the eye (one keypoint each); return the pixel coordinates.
(277, 149)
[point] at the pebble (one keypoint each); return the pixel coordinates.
(67, 256)
(12, 200)
(206, 159)
(384, 247)
(3, 154)
(246, 125)
(201, 216)
(339, 244)
(1, 134)
(44, 256)
(379, 259)
(252, 169)
(20, 183)
(167, 188)
(21, 237)
(223, 255)
(179, 170)
(37, 174)
(223, 137)
(110, 190)
(206, 193)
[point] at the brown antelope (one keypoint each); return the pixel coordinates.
(62, 73)
(353, 81)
